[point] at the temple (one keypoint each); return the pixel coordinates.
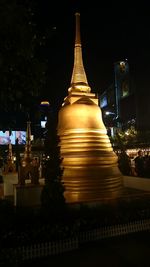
(91, 172)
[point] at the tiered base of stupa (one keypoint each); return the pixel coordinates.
(91, 171)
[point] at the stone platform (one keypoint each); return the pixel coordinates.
(28, 195)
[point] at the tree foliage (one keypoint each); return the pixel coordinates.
(53, 192)
(124, 139)
(21, 66)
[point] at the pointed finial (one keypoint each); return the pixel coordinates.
(78, 38)
(79, 79)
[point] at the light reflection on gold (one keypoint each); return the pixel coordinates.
(90, 165)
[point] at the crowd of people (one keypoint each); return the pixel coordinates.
(138, 166)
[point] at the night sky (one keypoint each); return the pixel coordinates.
(108, 33)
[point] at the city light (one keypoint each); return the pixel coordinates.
(109, 113)
(44, 103)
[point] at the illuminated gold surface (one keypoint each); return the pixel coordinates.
(90, 165)
(10, 165)
(79, 79)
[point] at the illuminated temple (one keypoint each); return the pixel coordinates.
(91, 171)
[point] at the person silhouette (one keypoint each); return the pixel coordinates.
(140, 164)
(124, 163)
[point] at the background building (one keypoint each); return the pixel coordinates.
(118, 102)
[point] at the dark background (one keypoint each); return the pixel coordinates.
(109, 32)
(37, 52)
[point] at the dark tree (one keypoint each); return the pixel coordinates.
(53, 193)
(22, 67)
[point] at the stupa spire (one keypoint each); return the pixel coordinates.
(79, 80)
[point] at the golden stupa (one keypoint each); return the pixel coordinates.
(90, 165)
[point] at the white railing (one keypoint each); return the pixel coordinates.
(49, 248)
(115, 230)
(58, 247)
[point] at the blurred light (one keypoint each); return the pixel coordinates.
(43, 124)
(44, 103)
(109, 113)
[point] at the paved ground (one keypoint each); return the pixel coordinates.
(126, 251)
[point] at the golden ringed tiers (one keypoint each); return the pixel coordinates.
(90, 165)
